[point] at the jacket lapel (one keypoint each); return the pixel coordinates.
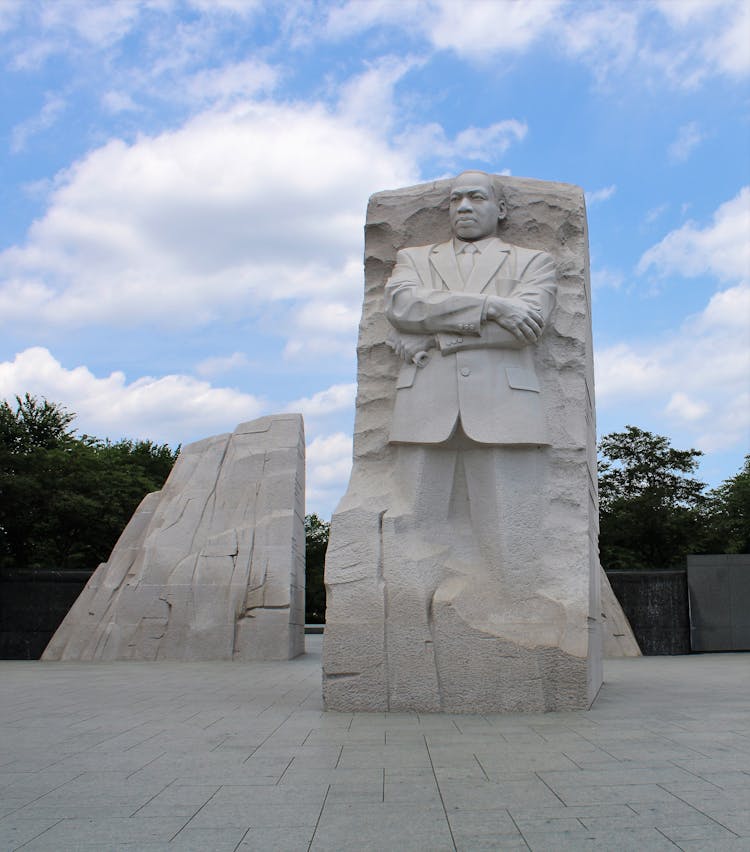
(443, 260)
(486, 266)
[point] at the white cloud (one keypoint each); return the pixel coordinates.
(238, 208)
(604, 278)
(243, 8)
(328, 462)
(697, 376)
(721, 249)
(718, 31)
(54, 105)
(167, 409)
(367, 99)
(227, 82)
(598, 195)
(474, 28)
(473, 143)
(101, 24)
(655, 213)
(688, 138)
(222, 364)
(10, 11)
(728, 50)
(680, 41)
(686, 408)
(176, 409)
(333, 399)
(117, 102)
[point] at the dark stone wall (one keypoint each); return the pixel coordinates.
(656, 604)
(32, 605)
(719, 589)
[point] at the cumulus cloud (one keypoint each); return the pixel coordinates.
(333, 399)
(238, 208)
(697, 376)
(167, 409)
(721, 249)
(329, 462)
(177, 409)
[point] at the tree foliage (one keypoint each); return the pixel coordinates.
(64, 500)
(652, 512)
(316, 545)
(729, 514)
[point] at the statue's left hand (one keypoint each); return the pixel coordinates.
(412, 347)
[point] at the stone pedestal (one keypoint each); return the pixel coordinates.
(212, 566)
(437, 599)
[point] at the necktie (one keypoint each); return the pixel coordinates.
(466, 260)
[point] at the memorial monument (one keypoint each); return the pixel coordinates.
(462, 570)
(212, 566)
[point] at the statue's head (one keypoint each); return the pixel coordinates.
(476, 206)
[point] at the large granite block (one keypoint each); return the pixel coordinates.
(212, 566)
(462, 569)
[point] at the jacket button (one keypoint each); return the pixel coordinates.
(465, 371)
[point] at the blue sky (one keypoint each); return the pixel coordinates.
(184, 185)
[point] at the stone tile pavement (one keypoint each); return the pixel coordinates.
(223, 756)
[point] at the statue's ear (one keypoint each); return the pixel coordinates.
(502, 210)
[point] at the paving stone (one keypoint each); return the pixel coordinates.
(383, 826)
(262, 775)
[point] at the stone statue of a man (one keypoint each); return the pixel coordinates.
(460, 569)
(481, 304)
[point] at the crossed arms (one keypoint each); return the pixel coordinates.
(426, 317)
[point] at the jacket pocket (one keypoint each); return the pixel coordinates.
(521, 379)
(406, 376)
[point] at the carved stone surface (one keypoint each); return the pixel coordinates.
(463, 576)
(212, 566)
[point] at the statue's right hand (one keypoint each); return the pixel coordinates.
(523, 321)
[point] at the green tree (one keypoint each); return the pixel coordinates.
(652, 513)
(729, 514)
(64, 500)
(316, 545)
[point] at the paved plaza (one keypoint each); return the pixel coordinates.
(228, 756)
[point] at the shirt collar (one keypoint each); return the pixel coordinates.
(480, 245)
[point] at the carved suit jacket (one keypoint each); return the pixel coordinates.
(478, 372)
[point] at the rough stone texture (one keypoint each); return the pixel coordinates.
(460, 647)
(212, 566)
(618, 635)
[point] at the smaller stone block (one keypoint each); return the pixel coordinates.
(212, 566)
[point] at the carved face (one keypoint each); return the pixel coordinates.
(474, 208)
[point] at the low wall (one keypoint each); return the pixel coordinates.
(32, 606)
(719, 588)
(656, 605)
